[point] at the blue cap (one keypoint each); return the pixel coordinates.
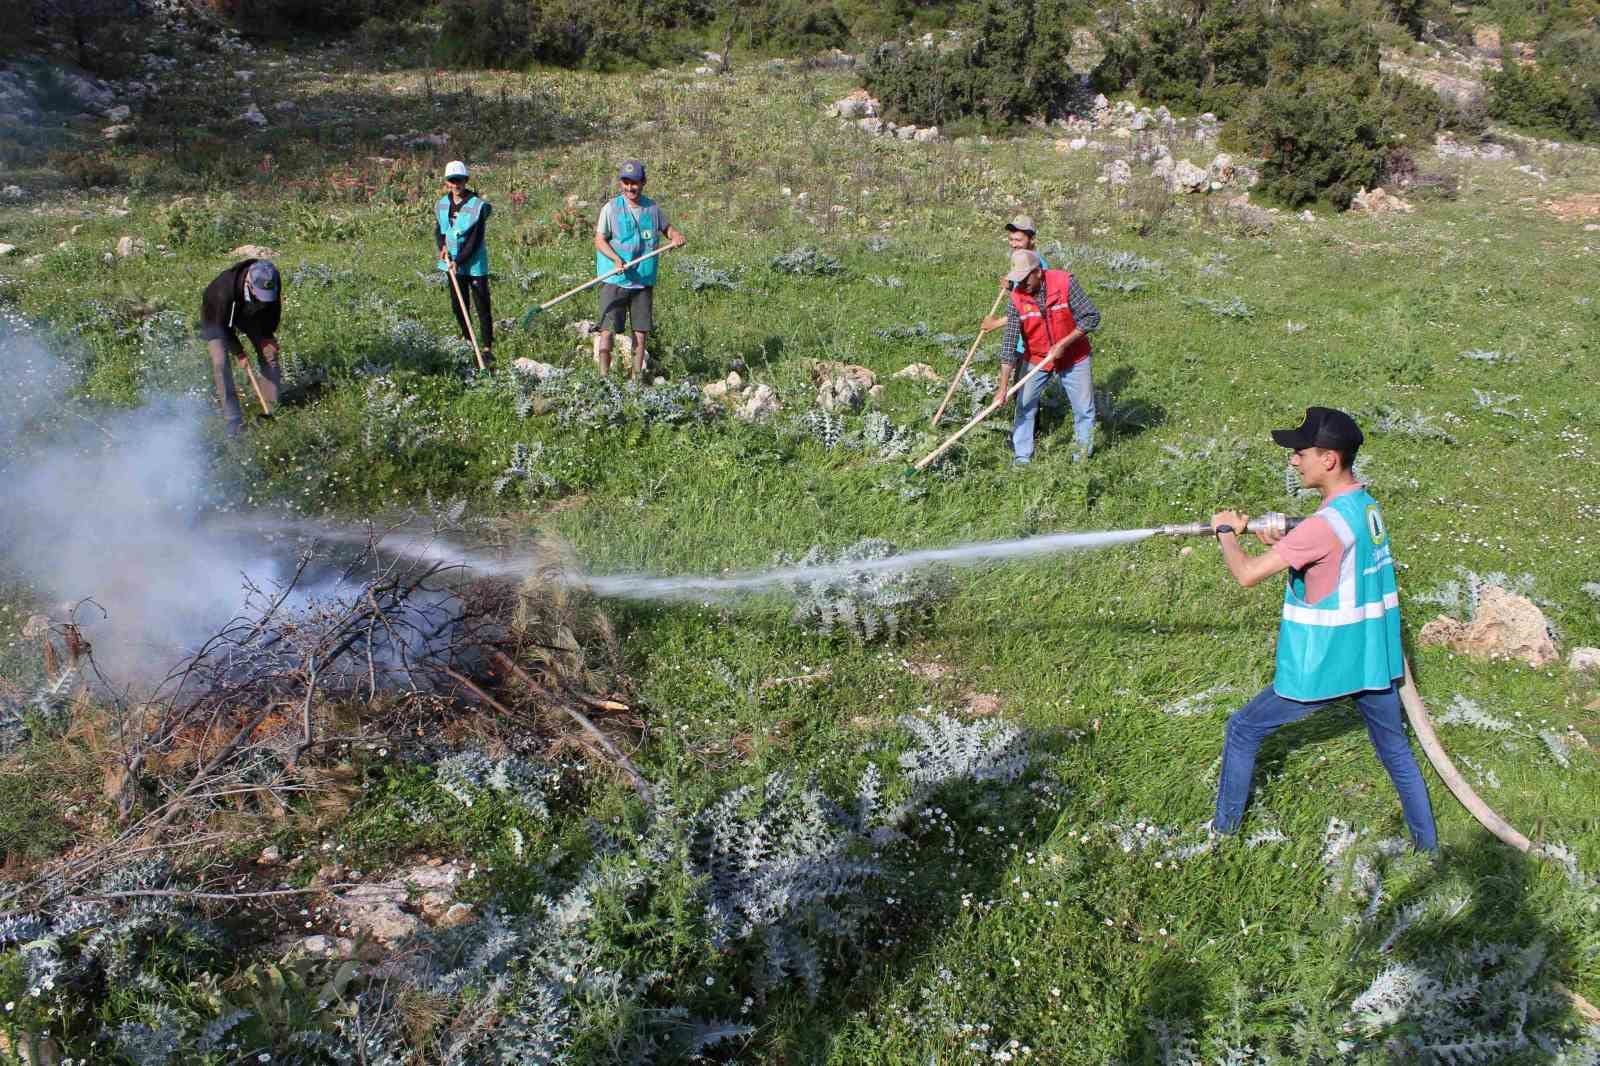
(262, 280)
(632, 170)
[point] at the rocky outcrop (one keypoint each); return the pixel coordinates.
(1505, 626)
(1378, 202)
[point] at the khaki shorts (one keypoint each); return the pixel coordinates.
(618, 304)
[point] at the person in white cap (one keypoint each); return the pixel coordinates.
(630, 225)
(459, 220)
(1053, 317)
(242, 299)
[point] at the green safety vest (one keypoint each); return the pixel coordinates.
(630, 240)
(466, 217)
(1349, 641)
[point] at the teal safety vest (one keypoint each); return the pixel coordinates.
(630, 240)
(466, 217)
(1349, 641)
(1044, 264)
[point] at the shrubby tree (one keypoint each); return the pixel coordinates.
(83, 20)
(1560, 96)
(1010, 63)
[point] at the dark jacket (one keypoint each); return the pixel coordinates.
(473, 238)
(224, 310)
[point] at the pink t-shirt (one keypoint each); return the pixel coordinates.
(1313, 547)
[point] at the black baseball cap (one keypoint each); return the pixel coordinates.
(1324, 427)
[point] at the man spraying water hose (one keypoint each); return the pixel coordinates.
(1340, 632)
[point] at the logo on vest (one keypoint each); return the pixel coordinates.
(1375, 525)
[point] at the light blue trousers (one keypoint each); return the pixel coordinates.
(1080, 393)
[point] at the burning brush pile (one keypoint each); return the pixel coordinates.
(391, 647)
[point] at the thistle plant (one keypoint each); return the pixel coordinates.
(700, 275)
(525, 471)
(1232, 308)
(807, 261)
(865, 605)
(469, 775)
(1416, 425)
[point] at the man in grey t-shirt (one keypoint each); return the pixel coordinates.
(630, 225)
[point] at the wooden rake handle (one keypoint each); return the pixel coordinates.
(951, 391)
(255, 383)
(922, 464)
(609, 274)
(466, 316)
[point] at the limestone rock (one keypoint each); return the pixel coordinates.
(1442, 632)
(714, 391)
(873, 125)
(1378, 202)
(1163, 169)
(323, 946)
(6, 249)
(1486, 38)
(456, 914)
(1117, 172)
(12, 192)
(129, 246)
(919, 372)
(1584, 660)
(761, 404)
(927, 135)
(375, 910)
(269, 855)
(120, 113)
(841, 386)
(1187, 177)
(252, 251)
(1506, 626)
(532, 368)
(116, 132)
(252, 116)
(857, 104)
(1222, 168)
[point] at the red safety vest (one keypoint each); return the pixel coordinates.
(1045, 323)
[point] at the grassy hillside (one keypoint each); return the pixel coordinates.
(1072, 913)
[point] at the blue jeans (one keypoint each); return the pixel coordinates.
(1265, 714)
(1080, 393)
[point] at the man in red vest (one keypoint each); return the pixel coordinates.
(1053, 316)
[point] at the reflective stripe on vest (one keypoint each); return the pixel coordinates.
(467, 216)
(1022, 346)
(1043, 324)
(1348, 641)
(630, 240)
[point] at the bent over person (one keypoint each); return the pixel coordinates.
(1048, 323)
(242, 299)
(630, 225)
(1340, 632)
(459, 219)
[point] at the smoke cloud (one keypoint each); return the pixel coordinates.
(104, 505)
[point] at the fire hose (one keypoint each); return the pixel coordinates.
(1416, 710)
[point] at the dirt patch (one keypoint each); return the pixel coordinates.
(928, 671)
(981, 704)
(1580, 208)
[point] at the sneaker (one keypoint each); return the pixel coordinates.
(1021, 460)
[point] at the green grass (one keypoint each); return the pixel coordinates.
(1028, 920)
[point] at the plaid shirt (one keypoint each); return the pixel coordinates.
(1083, 309)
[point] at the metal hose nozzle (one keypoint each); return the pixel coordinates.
(1272, 521)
